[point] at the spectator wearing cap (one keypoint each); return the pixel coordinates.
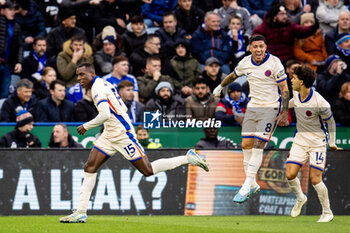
(120, 73)
(186, 68)
(22, 97)
(21, 136)
(330, 81)
(97, 44)
(169, 105)
(61, 138)
(135, 35)
(75, 51)
(55, 108)
(342, 106)
(169, 33)
(31, 21)
(103, 58)
(152, 78)
(212, 73)
(342, 45)
(327, 14)
(11, 47)
(135, 108)
(201, 104)
(189, 17)
(311, 50)
(280, 32)
(343, 26)
(231, 7)
(232, 107)
(211, 41)
(65, 31)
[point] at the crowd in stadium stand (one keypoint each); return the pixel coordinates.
(165, 55)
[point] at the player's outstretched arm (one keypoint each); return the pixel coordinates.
(332, 131)
(227, 80)
(102, 116)
(282, 120)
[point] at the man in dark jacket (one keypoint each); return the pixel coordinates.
(201, 104)
(212, 73)
(169, 34)
(21, 136)
(329, 82)
(31, 21)
(280, 33)
(169, 105)
(55, 108)
(65, 31)
(189, 17)
(11, 47)
(21, 98)
(36, 61)
(212, 41)
(135, 35)
(135, 108)
(84, 109)
(61, 138)
(211, 141)
(342, 27)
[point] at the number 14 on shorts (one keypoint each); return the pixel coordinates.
(319, 157)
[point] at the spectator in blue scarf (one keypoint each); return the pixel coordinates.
(232, 107)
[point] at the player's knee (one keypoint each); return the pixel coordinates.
(88, 168)
(315, 179)
(290, 175)
(246, 146)
(147, 172)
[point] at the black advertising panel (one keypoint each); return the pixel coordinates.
(48, 182)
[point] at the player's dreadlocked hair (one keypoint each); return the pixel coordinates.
(306, 74)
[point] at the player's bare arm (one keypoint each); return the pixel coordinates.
(228, 79)
(282, 120)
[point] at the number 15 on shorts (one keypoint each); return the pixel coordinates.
(130, 150)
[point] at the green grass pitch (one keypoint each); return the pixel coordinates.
(176, 224)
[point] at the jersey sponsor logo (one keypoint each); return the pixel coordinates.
(268, 73)
(308, 113)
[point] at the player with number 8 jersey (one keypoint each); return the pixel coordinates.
(118, 136)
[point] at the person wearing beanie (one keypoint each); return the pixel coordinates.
(280, 33)
(103, 59)
(97, 44)
(311, 50)
(342, 48)
(186, 68)
(11, 47)
(329, 81)
(232, 107)
(65, 31)
(21, 136)
(171, 106)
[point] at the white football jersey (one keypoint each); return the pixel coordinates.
(119, 121)
(263, 79)
(310, 115)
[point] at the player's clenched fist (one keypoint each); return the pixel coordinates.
(81, 130)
